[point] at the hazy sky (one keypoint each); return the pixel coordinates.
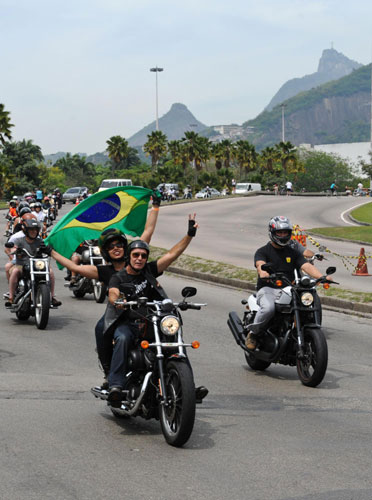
(76, 72)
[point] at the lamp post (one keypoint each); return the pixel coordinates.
(156, 70)
(283, 134)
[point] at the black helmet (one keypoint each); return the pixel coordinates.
(12, 203)
(24, 210)
(138, 244)
(106, 237)
(23, 204)
(280, 223)
(30, 224)
(37, 205)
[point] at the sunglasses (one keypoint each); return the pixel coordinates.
(137, 255)
(118, 244)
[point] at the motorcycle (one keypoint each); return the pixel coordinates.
(10, 229)
(160, 382)
(90, 255)
(294, 336)
(32, 296)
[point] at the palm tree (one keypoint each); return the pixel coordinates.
(118, 151)
(246, 156)
(5, 125)
(288, 155)
(269, 157)
(227, 148)
(156, 147)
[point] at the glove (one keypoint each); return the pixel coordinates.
(156, 200)
(45, 248)
(319, 256)
(192, 229)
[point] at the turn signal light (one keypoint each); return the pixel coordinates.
(144, 344)
(326, 286)
(279, 283)
(195, 344)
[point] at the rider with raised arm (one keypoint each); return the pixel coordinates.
(123, 325)
(283, 258)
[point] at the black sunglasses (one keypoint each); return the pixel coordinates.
(118, 244)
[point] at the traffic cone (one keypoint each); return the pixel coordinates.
(361, 268)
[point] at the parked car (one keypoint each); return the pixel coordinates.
(110, 183)
(207, 193)
(246, 187)
(72, 194)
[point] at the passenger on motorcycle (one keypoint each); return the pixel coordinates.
(123, 326)
(31, 242)
(12, 213)
(283, 258)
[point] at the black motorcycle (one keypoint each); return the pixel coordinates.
(294, 336)
(160, 382)
(82, 285)
(32, 296)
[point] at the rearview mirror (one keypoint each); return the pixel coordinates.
(188, 291)
(330, 270)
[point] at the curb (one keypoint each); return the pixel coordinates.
(345, 306)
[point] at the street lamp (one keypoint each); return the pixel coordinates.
(283, 135)
(156, 70)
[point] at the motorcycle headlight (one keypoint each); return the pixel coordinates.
(85, 256)
(96, 251)
(307, 298)
(39, 265)
(169, 325)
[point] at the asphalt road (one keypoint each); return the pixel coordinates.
(256, 436)
(232, 229)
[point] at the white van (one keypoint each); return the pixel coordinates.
(110, 183)
(246, 187)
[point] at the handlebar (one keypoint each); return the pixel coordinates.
(182, 305)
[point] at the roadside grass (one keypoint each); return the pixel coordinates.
(223, 270)
(353, 233)
(363, 213)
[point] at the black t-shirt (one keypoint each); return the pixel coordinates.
(285, 260)
(141, 283)
(105, 273)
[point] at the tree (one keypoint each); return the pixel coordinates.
(156, 147)
(5, 125)
(288, 156)
(78, 171)
(246, 156)
(118, 151)
(322, 169)
(367, 167)
(24, 157)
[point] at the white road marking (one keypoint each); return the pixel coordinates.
(348, 210)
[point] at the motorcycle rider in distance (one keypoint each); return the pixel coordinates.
(31, 241)
(284, 258)
(123, 326)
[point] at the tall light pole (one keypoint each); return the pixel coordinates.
(156, 70)
(283, 134)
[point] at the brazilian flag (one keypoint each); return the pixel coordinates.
(123, 208)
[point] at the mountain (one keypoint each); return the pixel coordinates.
(338, 111)
(332, 66)
(173, 124)
(96, 158)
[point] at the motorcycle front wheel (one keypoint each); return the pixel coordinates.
(42, 306)
(178, 416)
(99, 291)
(312, 368)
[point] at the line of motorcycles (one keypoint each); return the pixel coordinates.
(160, 382)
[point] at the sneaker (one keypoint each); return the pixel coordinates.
(6, 295)
(250, 341)
(105, 385)
(73, 280)
(56, 302)
(9, 304)
(200, 393)
(115, 397)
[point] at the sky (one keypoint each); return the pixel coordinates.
(76, 72)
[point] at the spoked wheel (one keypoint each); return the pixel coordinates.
(312, 368)
(42, 306)
(99, 291)
(177, 418)
(256, 364)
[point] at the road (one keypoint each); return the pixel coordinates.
(231, 230)
(256, 436)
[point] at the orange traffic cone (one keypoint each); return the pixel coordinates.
(361, 268)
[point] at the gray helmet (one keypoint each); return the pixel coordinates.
(30, 224)
(138, 244)
(280, 223)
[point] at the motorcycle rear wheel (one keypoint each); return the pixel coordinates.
(256, 364)
(312, 368)
(42, 306)
(177, 419)
(99, 291)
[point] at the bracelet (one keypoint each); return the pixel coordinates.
(156, 209)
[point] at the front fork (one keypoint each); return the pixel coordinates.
(160, 358)
(300, 334)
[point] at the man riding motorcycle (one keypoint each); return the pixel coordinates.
(283, 258)
(124, 326)
(31, 242)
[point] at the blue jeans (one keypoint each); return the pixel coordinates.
(124, 335)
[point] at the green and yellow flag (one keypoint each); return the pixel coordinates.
(123, 208)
